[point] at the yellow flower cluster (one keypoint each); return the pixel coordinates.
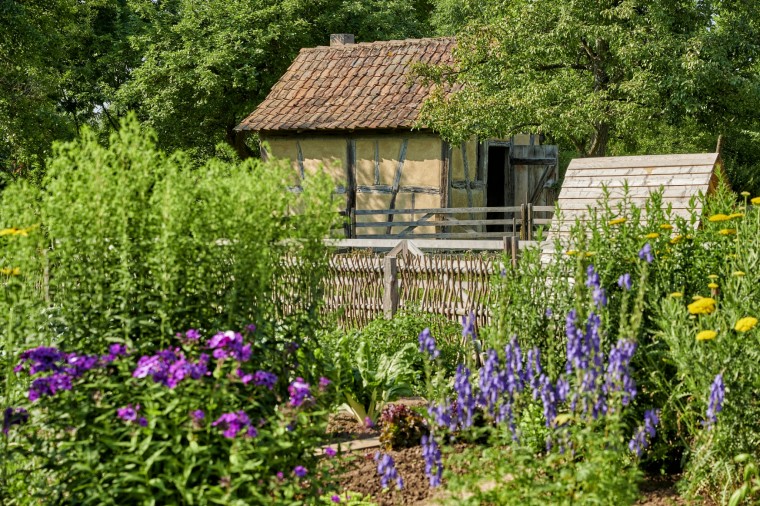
(676, 295)
(652, 235)
(618, 221)
(727, 231)
(718, 217)
(712, 285)
(705, 305)
(706, 335)
(8, 271)
(756, 201)
(666, 226)
(745, 324)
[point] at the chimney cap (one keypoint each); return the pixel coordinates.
(341, 39)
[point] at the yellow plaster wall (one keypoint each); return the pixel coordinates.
(457, 162)
(422, 166)
(328, 153)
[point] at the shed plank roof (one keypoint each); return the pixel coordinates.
(680, 176)
(350, 87)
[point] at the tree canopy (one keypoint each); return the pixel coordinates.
(598, 73)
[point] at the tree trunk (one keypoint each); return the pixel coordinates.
(237, 141)
(599, 140)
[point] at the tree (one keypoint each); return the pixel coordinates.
(206, 65)
(595, 73)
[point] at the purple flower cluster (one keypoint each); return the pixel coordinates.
(230, 344)
(169, 367)
(465, 406)
(431, 452)
(234, 423)
(300, 471)
(594, 282)
(646, 253)
(468, 326)
(259, 378)
(386, 468)
(624, 281)
(646, 433)
(14, 416)
(129, 415)
(64, 367)
(715, 403)
(618, 375)
(299, 392)
(427, 344)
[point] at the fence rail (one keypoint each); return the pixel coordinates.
(449, 223)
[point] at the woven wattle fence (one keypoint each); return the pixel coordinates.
(358, 287)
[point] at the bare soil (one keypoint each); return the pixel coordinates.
(361, 476)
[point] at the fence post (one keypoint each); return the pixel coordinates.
(352, 218)
(390, 285)
(523, 221)
(529, 228)
(515, 250)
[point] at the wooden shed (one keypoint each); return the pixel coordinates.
(680, 176)
(351, 109)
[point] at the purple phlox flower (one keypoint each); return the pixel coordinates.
(644, 434)
(251, 432)
(265, 379)
(624, 281)
(41, 359)
(230, 344)
(548, 313)
(465, 400)
(49, 385)
(549, 400)
(191, 336)
(386, 468)
(76, 365)
(299, 392)
(128, 413)
(14, 416)
(335, 498)
(280, 475)
(232, 423)
(250, 328)
(715, 403)
(142, 421)
(245, 377)
(300, 471)
(323, 383)
(330, 451)
(198, 415)
(169, 367)
(427, 344)
(533, 370)
(368, 422)
(114, 351)
(431, 452)
(646, 253)
(468, 326)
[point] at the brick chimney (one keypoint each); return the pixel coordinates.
(341, 39)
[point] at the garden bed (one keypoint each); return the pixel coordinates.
(361, 477)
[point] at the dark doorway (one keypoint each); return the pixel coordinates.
(497, 172)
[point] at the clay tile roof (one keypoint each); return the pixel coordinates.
(350, 87)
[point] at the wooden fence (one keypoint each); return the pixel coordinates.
(362, 286)
(449, 223)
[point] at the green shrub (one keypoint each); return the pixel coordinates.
(134, 244)
(225, 419)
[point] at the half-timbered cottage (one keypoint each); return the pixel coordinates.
(353, 110)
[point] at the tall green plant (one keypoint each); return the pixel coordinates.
(135, 244)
